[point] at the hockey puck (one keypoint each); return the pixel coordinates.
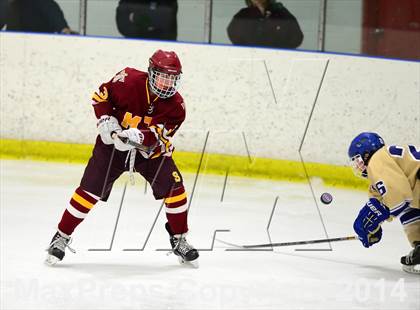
(326, 198)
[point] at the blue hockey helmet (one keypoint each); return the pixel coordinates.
(361, 150)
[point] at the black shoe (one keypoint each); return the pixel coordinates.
(181, 248)
(411, 262)
(57, 247)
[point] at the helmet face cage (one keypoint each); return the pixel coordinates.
(358, 165)
(164, 85)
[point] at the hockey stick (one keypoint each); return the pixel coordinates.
(269, 245)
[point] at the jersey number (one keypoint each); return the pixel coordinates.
(398, 151)
(176, 176)
(380, 186)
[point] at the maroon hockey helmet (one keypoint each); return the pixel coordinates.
(165, 72)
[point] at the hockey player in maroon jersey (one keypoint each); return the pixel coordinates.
(134, 108)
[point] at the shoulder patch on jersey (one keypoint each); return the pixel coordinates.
(120, 77)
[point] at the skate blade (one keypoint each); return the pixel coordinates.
(194, 263)
(51, 260)
(415, 269)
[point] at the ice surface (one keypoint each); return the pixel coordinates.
(342, 275)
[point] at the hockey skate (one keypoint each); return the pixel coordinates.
(411, 262)
(180, 247)
(57, 247)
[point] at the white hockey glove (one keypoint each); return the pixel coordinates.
(106, 126)
(131, 134)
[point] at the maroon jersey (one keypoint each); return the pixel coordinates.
(127, 97)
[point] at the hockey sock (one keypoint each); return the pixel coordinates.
(177, 210)
(80, 204)
(410, 219)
